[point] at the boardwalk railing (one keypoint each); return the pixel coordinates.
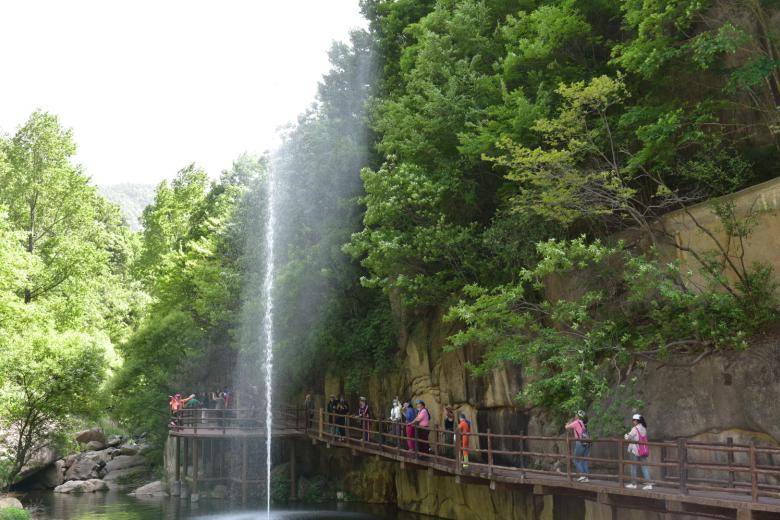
(232, 420)
(681, 465)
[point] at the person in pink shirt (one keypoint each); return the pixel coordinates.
(579, 426)
(422, 421)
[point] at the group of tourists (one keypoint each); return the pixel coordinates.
(411, 424)
(638, 449)
(219, 399)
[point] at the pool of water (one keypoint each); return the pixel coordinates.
(117, 506)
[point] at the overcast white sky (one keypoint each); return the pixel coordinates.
(150, 86)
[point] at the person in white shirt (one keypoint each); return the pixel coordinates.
(396, 415)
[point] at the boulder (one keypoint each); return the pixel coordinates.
(70, 459)
(124, 474)
(124, 462)
(41, 460)
(93, 434)
(114, 441)
(87, 465)
(154, 489)
(6, 502)
(143, 449)
(105, 455)
(51, 477)
(128, 450)
(82, 486)
(95, 446)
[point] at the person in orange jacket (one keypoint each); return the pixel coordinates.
(464, 427)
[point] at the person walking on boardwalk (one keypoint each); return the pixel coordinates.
(175, 404)
(638, 450)
(396, 416)
(308, 406)
(331, 409)
(409, 415)
(464, 427)
(421, 422)
(219, 405)
(449, 430)
(579, 425)
(342, 410)
(364, 412)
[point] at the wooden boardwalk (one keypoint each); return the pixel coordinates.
(688, 477)
(710, 480)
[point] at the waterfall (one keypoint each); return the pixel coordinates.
(268, 325)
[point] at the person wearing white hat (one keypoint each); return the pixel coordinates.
(579, 426)
(638, 450)
(396, 416)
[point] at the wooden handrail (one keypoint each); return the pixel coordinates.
(685, 464)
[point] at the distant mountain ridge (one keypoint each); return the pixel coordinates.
(131, 199)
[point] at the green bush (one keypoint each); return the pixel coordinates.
(318, 490)
(280, 490)
(14, 513)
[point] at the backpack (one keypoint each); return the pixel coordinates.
(643, 450)
(584, 435)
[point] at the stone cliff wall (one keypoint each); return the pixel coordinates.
(725, 395)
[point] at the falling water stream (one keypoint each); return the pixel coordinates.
(268, 325)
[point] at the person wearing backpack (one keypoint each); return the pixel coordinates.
(579, 425)
(638, 450)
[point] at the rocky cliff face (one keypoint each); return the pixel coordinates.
(441, 378)
(724, 395)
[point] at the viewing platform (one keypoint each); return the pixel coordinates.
(288, 422)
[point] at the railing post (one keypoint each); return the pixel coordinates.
(458, 454)
(186, 456)
(416, 442)
(663, 460)
(195, 456)
(490, 453)
(381, 436)
(621, 463)
(401, 432)
(682, 464)
(178, 459)
(753, 473)
(322, 416)
(435, 442)
(568, 456)
(730, 459)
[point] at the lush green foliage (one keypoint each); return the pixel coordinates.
(502, 124)
(14, 513)
(191, 265)
(465, 154)
(572, 111)
(47, 378)
(66, 295)
(618, 308)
